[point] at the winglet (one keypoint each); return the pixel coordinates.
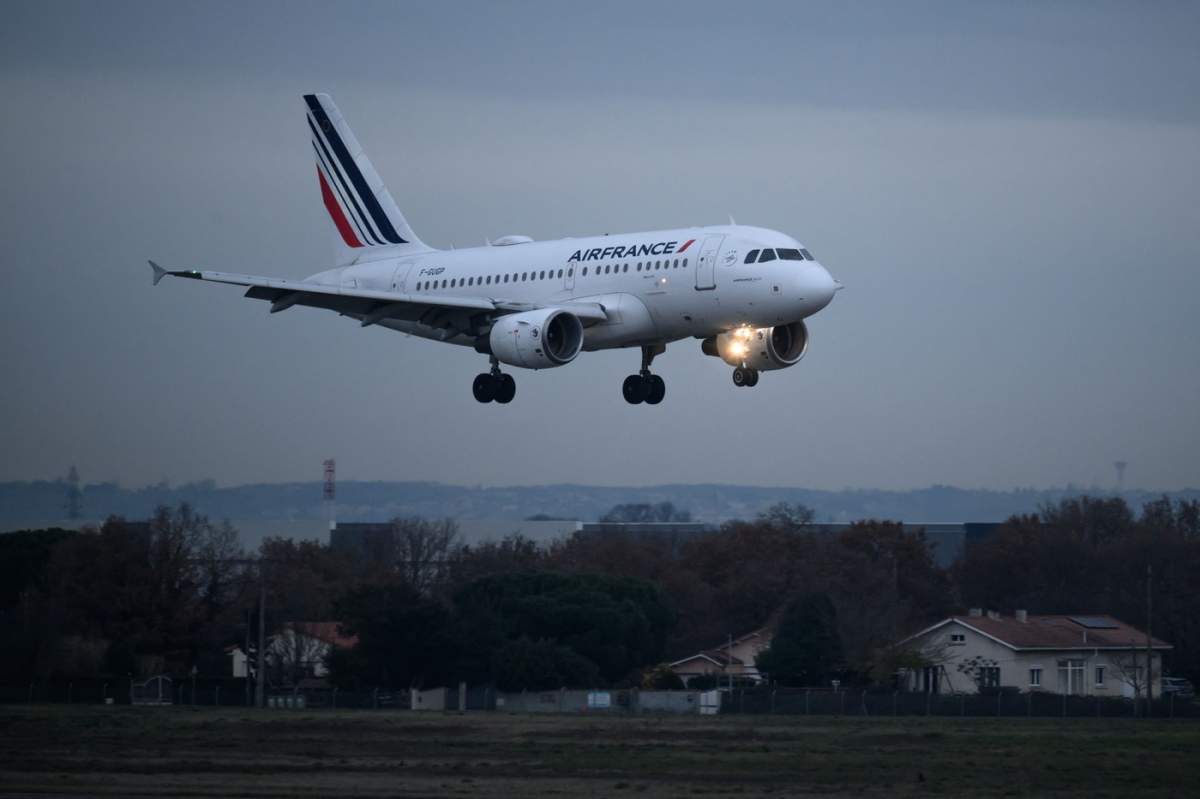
(159, 272)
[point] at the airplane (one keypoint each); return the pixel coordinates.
(743, 291)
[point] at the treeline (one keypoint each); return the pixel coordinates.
(175, 593)
(21, 502)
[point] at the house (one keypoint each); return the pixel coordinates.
(1080, 655)
(735, 659)
(298, 650)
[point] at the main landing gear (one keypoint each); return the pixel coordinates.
(645, 387)
(494, 385)
(745, 376)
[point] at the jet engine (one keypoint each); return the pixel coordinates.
(538, 339)
(761, 349)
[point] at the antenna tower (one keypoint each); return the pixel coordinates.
(73, 503)
(1120, 467)
(330, 491)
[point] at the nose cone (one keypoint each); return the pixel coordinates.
(818, 287)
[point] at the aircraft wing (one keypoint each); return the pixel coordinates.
(373, 306)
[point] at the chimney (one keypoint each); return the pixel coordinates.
(975, 613)
(1022, 616)
(994, 615)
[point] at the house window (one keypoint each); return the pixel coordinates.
(1035, 678)
(989, 677)
(1070, 677)
(1099, 676)
(958, 639)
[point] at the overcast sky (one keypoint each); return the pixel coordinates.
(1010, 192)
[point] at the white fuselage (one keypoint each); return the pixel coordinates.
(655, 287)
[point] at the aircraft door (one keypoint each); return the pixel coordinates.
(706, 263)
(400, 276)
(569, 277)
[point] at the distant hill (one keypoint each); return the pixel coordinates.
(25, 503)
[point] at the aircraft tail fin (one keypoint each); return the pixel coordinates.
(366, 218)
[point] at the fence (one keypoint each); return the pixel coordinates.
(738, 701)
(822, 702)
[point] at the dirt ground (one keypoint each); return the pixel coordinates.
(184, 752)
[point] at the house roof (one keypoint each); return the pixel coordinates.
(1092, 631)
(716, 658)
(326, 631)
(720, 655)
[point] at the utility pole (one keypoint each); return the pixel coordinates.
(729, 662)
(1149, 649)
(261, 675)
(246, 665)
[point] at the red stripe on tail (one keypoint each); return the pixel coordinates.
(335, 211)
(687, 244)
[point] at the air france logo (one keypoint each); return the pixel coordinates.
(634, 251)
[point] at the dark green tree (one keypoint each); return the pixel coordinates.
(806, 649)
(618, 624)
(525, 665)
(405, 639)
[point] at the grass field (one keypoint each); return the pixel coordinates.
(124, 751)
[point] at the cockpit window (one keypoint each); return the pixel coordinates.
(808, 255)
(767, 255)
(789, 255)
(751, 256)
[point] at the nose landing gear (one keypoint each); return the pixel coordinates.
(494, 386)
(644, 386)
(745, 376)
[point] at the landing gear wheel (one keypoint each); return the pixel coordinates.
(753, 381)
(656, 389)
(741, 377)
(506, 389)
(635, 389)
(484, 387)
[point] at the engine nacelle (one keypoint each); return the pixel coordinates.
(539, 339)
(762, 348)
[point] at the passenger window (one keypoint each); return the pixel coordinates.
(676, 266)
(626, 269)
(685, 263)
(751, 257)
(807, 255)
(571, 272)
(767, 255)
(789, 255)
(639, 266)
(489, 280)
(585, 271)
(560, 273)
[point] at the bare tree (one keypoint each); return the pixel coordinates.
(1130, 668)
(293, 654)
(421, 550)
